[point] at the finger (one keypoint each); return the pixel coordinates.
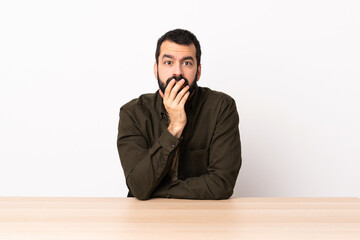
(181, 94)
(169, 87)
(186, 96)
(161, 93)
(176, 89)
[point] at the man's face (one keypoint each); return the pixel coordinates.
(178, 62)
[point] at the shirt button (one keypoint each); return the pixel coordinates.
(173, 145)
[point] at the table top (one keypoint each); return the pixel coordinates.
(128, 218)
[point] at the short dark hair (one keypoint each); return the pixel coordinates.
(182, 37)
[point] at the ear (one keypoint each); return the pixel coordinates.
(155, 70)
(199, 73)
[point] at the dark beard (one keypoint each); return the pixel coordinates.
(163, 86)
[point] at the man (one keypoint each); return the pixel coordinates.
(182, 141)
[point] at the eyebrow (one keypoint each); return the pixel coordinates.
(172, 57)
(188, 58)
(167, 56)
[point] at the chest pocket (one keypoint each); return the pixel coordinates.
(193, 163)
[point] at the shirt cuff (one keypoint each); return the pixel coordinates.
(168, 142)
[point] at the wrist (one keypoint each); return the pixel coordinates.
(175, 130)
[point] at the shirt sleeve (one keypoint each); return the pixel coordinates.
(144, 166)
(224, 163)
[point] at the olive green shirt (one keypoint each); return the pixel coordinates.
(208, 154)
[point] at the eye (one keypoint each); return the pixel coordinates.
(187, 63)
(167, 62)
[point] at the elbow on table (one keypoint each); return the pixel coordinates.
(136, 192)
(223, 194)
(221, 188)
(142, 198)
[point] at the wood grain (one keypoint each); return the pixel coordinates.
(128, 218)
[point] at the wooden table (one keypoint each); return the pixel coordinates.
(128, 218)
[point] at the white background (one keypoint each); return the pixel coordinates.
(293, 68)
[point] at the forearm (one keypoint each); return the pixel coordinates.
(144, 167)
(213, 185)
(195, 188)
(147, 174)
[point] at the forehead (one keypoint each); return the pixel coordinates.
(177, 50)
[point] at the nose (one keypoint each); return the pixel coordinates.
(178, 69)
